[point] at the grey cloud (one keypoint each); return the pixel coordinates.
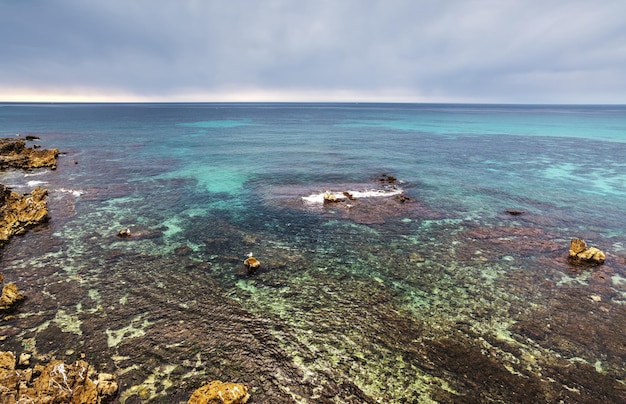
(558, 51)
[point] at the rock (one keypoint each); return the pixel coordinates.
(19, 212)
(217, 392)
(10, 296)
(402, 198)
(7, 360)
(106, 384)
(514, 212)
(329, 197)
(251, 264)
(576, 246)
(24, 359)
(14, 153)
(124, 233)
(56, 382)
(579, 253)
(387, 179)
(415, 257)
(30, 137)
(349, 195)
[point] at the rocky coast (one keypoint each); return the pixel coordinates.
(46, 381)
(444, 312)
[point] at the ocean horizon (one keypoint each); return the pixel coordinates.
(439, 272)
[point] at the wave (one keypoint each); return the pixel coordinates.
(318, 198)
(74, 192)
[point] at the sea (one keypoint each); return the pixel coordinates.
(439, 272)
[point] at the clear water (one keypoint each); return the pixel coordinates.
(385, 304)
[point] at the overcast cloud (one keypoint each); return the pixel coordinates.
(546, 51)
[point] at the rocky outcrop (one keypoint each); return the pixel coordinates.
(14, 153)
(579, 253)
(56, 382)
(19, 212)
(10, 295)
(217, 392)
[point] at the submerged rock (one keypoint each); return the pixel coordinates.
(579, 253)
(56, 382)
(217, 392)
(14, 153)
(19, 212)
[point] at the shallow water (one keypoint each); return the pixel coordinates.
(428, 300)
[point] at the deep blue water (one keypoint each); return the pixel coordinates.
(222, 180)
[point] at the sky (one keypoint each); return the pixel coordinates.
(479, 51)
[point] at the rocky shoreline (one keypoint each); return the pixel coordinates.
(54, 381)
(216, 338)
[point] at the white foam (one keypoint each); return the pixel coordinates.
(35, 183)
(74, 192)
(372, 193)
(34, 174)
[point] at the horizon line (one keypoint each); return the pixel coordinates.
(324, 102)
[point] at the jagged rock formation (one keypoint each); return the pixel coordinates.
(14, 153)
(10, 295)
(56, 382)
(579, 253)
(19, 212)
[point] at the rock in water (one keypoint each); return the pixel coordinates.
(579, 253)
(217, 392)
(19, 212)
(10, 296)
(251, 264)
(14, 153)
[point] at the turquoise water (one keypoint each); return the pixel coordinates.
(380, 302)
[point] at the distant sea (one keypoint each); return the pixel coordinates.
(444, 279)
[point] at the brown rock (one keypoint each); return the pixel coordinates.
(329, 197)
(579, 253)
(217, 392)
(251, 264)
(14, 153)
(577, 246)
(10, 296)
(57, 382)
(19, 212)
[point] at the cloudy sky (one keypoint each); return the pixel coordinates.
(520, 51)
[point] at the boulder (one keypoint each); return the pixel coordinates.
(251, 264)
(56, 382)
(218, 392)
(579, 253)
(10, 296)
(19, 212)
